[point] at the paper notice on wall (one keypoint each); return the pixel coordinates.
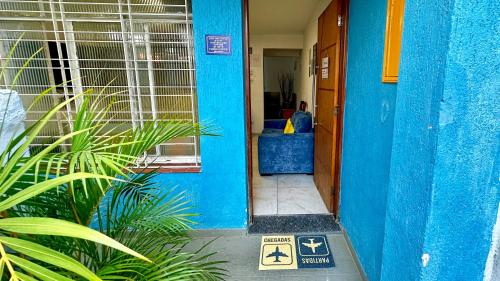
(324, 68)
(324, 62)
(324, 73)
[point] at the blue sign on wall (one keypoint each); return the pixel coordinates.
(218, 44)
(313, 251)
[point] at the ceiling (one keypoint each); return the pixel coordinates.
(280, 16)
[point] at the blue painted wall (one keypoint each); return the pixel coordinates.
(466, 187)
(420, 167)
(219, 192)
(420, 86)
(368, 126)
(444, 188)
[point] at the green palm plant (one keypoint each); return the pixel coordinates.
(18, 187)
(49, 200)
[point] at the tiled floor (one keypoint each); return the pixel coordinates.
(284, 194)
(241, 251)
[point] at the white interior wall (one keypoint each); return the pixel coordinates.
(258, 43)
(310, 38)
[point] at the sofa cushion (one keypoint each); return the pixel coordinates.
(302, 122)
(272, 131)
(275, 123)
(286, 154)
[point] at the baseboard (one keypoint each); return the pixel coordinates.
(354, 256)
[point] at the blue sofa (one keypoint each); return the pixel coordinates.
(281, 153)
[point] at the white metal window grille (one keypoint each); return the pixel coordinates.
(145, 47)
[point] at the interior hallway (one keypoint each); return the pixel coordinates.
(284, 194)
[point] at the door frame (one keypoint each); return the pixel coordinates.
(248, 109)
(344, 11)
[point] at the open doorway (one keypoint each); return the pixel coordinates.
(295, 172)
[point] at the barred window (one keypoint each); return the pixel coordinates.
(143, 47)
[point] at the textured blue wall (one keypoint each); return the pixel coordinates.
(420, 87)
(466, 188)
(368, 126)
(219, 192)
(444, 189)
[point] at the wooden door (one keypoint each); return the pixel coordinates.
(327, 106)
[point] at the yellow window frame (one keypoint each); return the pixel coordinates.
(393, 36)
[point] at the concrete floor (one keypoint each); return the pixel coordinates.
(242, 253)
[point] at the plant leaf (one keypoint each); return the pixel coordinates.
(49, 256)
(38, 188)
(37, 270)
(25, 277)
(49, 226)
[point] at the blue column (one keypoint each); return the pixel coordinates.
(444, 191)
(219, 191)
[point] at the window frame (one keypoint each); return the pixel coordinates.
(393, 40)
(188, 161)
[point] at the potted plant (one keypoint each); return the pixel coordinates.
(286, 82)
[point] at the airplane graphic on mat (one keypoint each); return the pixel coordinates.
(312, 245)
(277, 254)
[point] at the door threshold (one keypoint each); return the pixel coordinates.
(294, 224)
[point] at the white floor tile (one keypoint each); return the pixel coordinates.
(296, 200)
(265, 200)
(265, 181)
(296, 181)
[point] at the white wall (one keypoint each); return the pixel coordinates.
(310, 38)
(258, 43)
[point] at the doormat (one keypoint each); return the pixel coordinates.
(285, 224)
(295, 252)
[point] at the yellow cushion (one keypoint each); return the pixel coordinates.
(289, 127)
